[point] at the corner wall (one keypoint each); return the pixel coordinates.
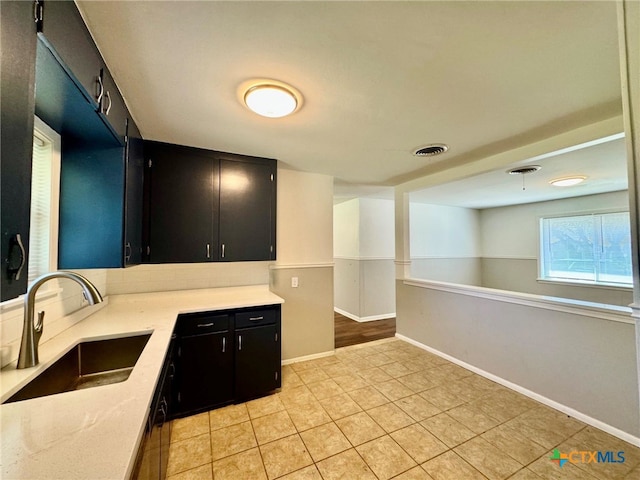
(305, 251)
(363, 239)
(445, 243)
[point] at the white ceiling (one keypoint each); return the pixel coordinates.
(379, 79)
(604, 164)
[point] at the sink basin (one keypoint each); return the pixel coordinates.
(87, 365)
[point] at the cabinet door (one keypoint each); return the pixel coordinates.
(91, 207)
(18, 38)
(247, 210)
(183, 196)
(112, 107)
(205, 372)
(65, 32)
(133, 195)
(257, 361)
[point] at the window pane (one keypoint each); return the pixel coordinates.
(614, 265)
(594, 248)
(571, 248)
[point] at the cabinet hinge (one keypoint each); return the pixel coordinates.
(179, 397)
(276, 376)
(276, 337)
(38, 11)
(271, 248)
(150, 163)
(272, 177)
(148, 250)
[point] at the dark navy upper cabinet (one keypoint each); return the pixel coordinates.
(67, 36)
(101, 204)
(183, 195)
(247, 210)
(209, 206)
(134, 181)
(112, 106)
(63, 31)
(18, 38)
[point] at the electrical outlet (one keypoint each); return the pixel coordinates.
(294, 282)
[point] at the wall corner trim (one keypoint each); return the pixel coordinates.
(305, 358)
(371, 318)
(627, 437)
(302, 265)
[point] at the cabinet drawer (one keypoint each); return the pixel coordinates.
(196, 324)
(255, 318)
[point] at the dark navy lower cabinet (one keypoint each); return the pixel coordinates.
(226, 356)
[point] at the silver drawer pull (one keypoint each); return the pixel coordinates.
(203, 325)
(255, 319)
(224, 344)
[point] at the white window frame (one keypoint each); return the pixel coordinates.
(583, 283)
(46, 133)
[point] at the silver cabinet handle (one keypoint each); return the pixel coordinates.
(255, 319)
(208, 250)
(239, 342)
(204, 325)
(17, 240)
(224, 344)
(101, 91)
(108, 109)
(223, 250)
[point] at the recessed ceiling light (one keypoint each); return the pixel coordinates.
(568, 181)
(273, 100)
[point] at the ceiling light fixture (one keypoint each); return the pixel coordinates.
(568, 181)
(272, 99)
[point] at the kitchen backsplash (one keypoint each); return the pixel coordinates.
(64, 301)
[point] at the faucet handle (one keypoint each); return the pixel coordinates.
(40, 323)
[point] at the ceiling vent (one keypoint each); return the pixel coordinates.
(431, 150)
(524, 170)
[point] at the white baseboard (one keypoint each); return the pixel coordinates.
(627, 437)
(371, 318)
(304, 358)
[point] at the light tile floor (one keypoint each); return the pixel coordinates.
(385, 410)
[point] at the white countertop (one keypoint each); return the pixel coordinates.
(95, 433)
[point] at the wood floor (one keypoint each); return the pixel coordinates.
(350, 332)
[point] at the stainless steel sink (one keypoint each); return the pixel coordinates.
(87, 365)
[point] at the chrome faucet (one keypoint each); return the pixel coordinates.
(32, 331)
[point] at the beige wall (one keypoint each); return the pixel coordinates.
(305, 251)
(573, 359)
(363, 242)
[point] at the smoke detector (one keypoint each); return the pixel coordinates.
(431, 150)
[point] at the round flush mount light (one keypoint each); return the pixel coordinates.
(568, 181)
(271, 98)
(431, 150)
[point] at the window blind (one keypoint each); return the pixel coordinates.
(40, 207)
